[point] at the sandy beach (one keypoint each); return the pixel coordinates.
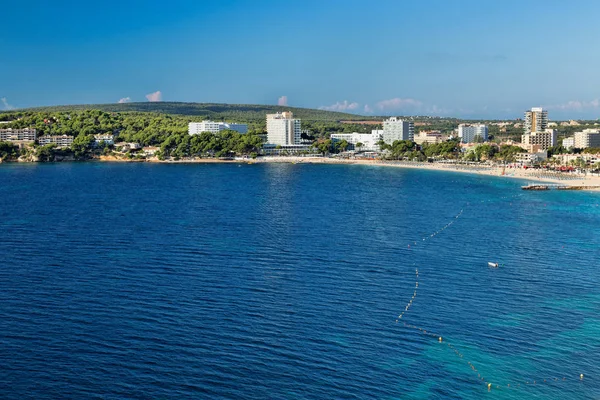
(591, 182)
(533, 176)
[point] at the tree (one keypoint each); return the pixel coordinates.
(82, 145)
(8, 151)
(342, 145)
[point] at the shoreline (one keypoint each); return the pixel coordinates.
(584, 182)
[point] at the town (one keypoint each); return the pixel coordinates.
(394, 138)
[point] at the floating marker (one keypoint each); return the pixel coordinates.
(581, 376)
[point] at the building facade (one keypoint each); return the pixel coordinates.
(106, 139)
(195, 128)
(368, 141)
(60, 141)
(545, 139)
(568, 143)
(428, 137)
(586, 138)
(468, 132)
(536, 120)
(8, 135)
(398, 129)
(283, 129)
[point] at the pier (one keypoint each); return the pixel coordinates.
(555, 186)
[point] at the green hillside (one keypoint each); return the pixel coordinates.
(244, 113)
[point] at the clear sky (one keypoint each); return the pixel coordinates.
(478, 59)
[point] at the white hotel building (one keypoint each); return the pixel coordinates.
(397, 129)
(468, 132)
(369, 140)
(195, 128)
(283, 129)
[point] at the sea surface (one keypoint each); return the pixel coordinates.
(281, 281)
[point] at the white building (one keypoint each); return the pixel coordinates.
(60, 141)
(7, 135)
(468, 132)
(369, 141)
(106, 139)
(531, 158)
(195, 128)
(536, 120)
(545, 139)
(283, 129)
(397, 129)
(586, 138)
(568, 143)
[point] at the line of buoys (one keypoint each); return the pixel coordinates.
(439, 338)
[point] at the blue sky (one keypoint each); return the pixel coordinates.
(473, 59)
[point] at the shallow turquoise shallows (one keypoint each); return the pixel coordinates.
(283, 281)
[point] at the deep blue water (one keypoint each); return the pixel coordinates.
(285, 281)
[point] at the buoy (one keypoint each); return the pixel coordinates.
(489, 386)
(440, 340)
(581, 376)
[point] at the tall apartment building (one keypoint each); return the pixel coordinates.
(7, 135)
(283, 129)
(195, 128)
(398, 129)
(544, 139)
(586, 138)
(468, 132)
(536, 120)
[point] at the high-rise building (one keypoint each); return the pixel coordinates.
(397, 129)
(195, 128)
(536, 120)
(586, 138)
(283, 129)
(468, 132)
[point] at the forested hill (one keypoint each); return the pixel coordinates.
(244, 113)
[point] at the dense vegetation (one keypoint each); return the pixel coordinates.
(164, 125)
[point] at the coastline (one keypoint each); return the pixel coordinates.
(586, 182)
(528, 176)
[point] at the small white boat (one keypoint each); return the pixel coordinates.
(493, 265)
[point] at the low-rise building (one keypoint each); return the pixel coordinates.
(150, 150)
(566, 159)
(106, 139)
(195, 128)
(9, 134)
(428, 137)
(123, 146)
(367, 141)
(531, 158)
(59, 140)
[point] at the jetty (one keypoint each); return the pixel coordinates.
(556, 186)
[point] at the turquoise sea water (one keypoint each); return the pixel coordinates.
(286, 281)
